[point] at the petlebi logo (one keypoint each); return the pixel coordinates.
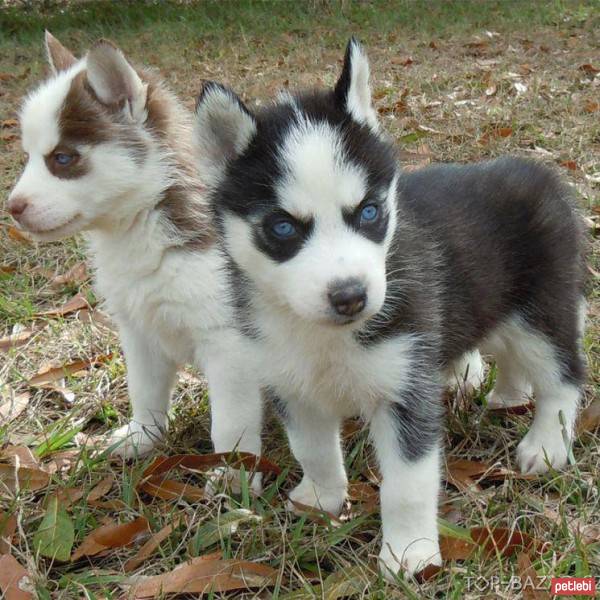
(558, 586)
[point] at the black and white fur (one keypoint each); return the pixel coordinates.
(457, 258)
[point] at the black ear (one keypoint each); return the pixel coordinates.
(352, 90)
(59, 57)
(224, 127)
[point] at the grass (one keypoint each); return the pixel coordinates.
(445, 83)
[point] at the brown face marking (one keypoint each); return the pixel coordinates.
(85, 121)
(76, 167)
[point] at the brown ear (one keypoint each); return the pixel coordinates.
(59, 57)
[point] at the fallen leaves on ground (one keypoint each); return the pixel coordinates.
(529, 579)
(589, 419)
(569, 164)
(51, 374)
(112, 535)
(19, 338)
(465, 474)
(202, 575)
(56, 534)
(13, 406)
(19, 470)
(8, 526)
(18, 235)
(152, 545)
(221, 527)
(75, 275)
(74, 304)
(15, 582)
(203, 462)
(169, 489)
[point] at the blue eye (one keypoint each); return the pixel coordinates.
(369, 212)
(284, 229)
(63, 159)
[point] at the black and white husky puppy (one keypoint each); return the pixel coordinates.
(361, 284)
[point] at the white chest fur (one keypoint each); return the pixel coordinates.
(174, 296)
(327, 367)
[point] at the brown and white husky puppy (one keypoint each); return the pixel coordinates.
(110, 154)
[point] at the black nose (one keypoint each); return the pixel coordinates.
(348, 298)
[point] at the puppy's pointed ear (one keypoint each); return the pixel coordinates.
(353, 91)
(115, 82)
(59, 58)
(224, 128)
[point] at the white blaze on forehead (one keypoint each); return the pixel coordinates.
(318, 177)
(40, 113)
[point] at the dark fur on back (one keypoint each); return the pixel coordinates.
(503, 238)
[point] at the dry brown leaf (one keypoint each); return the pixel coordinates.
(8, 526)
(10, 409)
(529, 579)
(465, 474)
(197, 462)
(69, 496)
(501, 540)
(15, 582)
(77, 302)
(201, 575)
(569, 164)
(591, 106)
(6, 76)
(9, 123)
(589, 419)
(151, 545)
(322, 517)
(366, 495)
(77, 274)
(13, 478)
(19, 456)
(18, 235)
(50, 374)
(453, 548)
(7, 269)
(95, 317)
(112, 536)
(589, 69)
(62, 461)
(101, 489)
(169, 489)
(18, 339)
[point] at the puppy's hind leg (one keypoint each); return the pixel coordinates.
(467, 373)
(512, 387)
(556, 371)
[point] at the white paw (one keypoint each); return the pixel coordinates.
(539, 447)
(467, 373)
(330, 500)
(227, 478)
(408, 556)
(134, 439)
(496, 401)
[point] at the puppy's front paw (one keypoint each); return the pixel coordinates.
(311, 494)
(134, 439)
(230, 478)
(408, 556)
(540, 447)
